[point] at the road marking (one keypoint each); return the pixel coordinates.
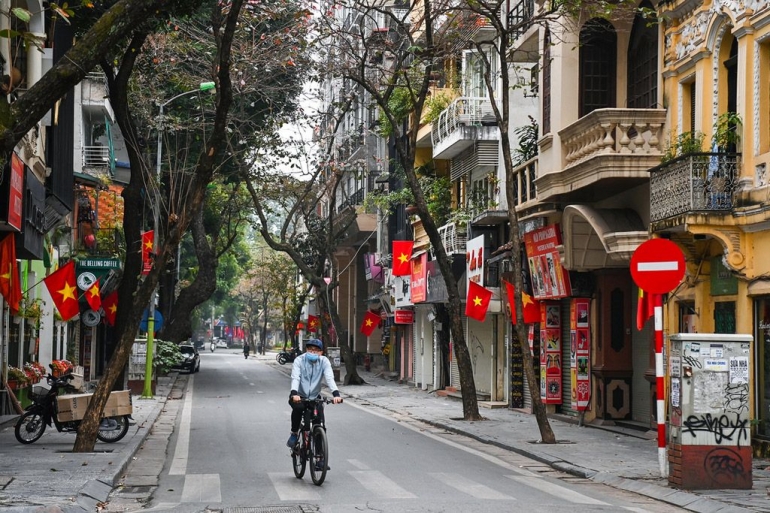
(289, 488)
(360, 465)
(672, 265)
(407, 423)
(472, 488)
(376, 483)
(181, 451)
(201, 488)
(556, 490)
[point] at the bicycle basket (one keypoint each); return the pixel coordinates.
(40, 390)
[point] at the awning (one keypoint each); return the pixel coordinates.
(597, 238)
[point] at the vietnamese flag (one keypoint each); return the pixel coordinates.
(644, 309)
(477, 301)
(402, 254)
(312, 323)
(63, 289)
(10, 286)
(371, 321)
(148, 240)
(531, 306)
(93, 298)
(110, 305)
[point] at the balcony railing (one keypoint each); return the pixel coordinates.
(464, 111)
(698, 182)
(96, 156)
(524, 177)
(453, 239)
(613, 131)
(101, 242)
(519, 17)
(357, 198)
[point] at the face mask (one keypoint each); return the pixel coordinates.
(311, 357)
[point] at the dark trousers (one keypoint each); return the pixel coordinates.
(297, 409)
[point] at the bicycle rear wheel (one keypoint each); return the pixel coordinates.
(298, 457)
(319, 451)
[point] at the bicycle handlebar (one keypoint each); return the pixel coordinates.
(324, 400)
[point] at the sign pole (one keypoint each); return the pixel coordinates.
(660, 389)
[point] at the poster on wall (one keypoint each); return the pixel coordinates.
(550, 353)
(549, 279)
(579, 354)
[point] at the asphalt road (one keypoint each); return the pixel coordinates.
(227, 453)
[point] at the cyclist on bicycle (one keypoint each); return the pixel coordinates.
(306, 374)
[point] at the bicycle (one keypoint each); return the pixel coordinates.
(312, 445)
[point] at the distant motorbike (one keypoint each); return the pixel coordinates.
(288, 356)
(43, 411)
(212, 347)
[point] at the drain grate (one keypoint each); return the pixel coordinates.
(301, 508)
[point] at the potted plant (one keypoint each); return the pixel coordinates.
(61, 367)
(17, 378)
(34, 371)
(726, 134)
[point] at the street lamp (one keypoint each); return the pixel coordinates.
(147, 390)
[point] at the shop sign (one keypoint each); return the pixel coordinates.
(417, 278)
(403, 316)
(16, 192)
(435, 285)
(474, 260)
(579, 354)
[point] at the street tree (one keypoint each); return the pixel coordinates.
(134, 294)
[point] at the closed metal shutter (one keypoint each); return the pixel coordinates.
(536, 358)
(566, 367)
(479, 340)
(454, 378)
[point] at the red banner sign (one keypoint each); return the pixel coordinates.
(403, 316)
(580, 368)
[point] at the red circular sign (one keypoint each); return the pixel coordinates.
(657, 266)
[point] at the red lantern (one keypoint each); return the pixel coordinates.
(90, 240)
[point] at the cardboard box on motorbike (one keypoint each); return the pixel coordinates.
(73, 406)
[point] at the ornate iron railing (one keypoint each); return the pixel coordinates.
(463, 111)
(519, 17)
(697, 182)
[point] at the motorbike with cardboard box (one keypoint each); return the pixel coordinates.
(66, 412)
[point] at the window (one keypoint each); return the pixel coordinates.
(643, 62)
(598, 60)
(475, 86)
(547, 82)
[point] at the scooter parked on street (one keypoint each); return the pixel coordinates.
(288, 356)
(44, 410)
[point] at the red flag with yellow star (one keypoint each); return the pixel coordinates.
(371, 321)
(93, 298)
(402, 254)
(10, 286)
(110, 305)
(531, 306)
(478, 301)
(64, 291)
(148, 240)
(312, 323)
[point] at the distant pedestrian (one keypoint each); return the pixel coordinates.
(246, 350)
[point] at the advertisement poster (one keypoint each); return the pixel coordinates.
(550, 353)
(579, 354)
(549, 279)
(417, 276)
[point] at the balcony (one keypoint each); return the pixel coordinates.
(519, 19)
(466, 121)
(453, 239)
(353, 200)
(694, 183)
(100, 242)
(604, 153)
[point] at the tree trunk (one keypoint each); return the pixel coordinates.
(351, 372)
(178, 326)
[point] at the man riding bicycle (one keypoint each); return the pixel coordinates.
(306, 374)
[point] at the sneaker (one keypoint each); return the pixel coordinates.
(319, 465)
(292, 441)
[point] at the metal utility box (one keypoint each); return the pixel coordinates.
(709, 423)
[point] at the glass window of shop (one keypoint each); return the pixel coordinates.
(762, 359)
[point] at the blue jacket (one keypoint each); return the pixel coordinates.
(306, 377)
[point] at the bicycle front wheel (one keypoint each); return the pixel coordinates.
(319, 449)
(298, 457)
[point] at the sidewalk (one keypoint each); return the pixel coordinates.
(619, 460)
(47, 477)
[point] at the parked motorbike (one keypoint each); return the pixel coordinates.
(43, 411)
(288, 356)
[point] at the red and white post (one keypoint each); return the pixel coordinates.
(659, 382)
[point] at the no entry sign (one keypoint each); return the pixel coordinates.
(657, 266)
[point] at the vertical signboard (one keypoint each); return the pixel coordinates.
(474, 260)
(579, 354)
(550, 352)
(549, 279)
(418, 283)
(16, 192)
